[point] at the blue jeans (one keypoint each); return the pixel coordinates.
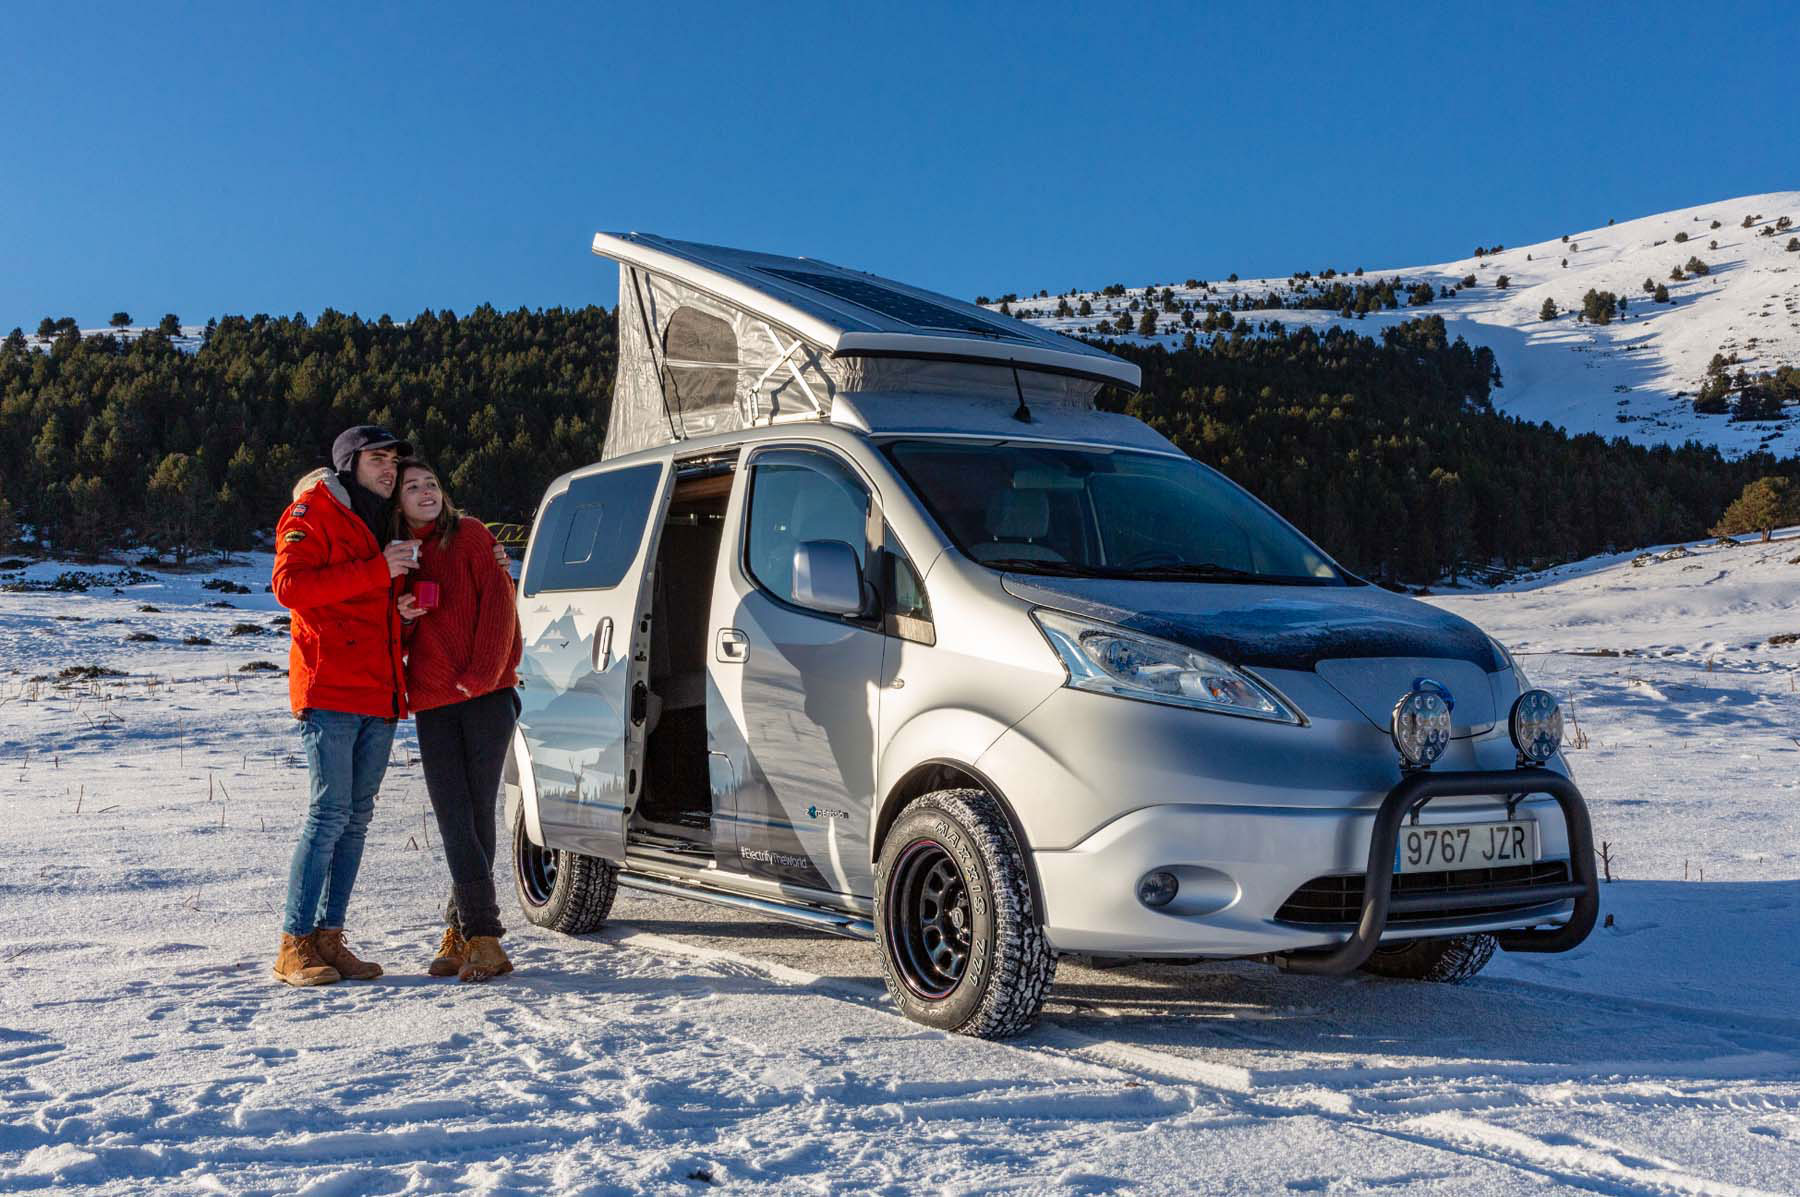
(346, 755)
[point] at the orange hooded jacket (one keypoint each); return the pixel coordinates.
(330, 572)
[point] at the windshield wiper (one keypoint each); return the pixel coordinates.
(1061, 569)
(1188, 569)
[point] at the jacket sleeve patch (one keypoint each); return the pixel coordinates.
(299, 510)
(295, 535)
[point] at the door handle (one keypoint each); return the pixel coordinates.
(734, 646)
(603, 644)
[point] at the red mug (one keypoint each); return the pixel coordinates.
(425, 594)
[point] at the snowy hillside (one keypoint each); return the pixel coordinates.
(151, 788)
(191, 338)
(1635, 377)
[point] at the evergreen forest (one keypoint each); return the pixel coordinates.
(1387, 451)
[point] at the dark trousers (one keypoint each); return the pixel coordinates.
(463, 750)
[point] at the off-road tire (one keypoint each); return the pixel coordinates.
(1447, 960)
(1009, 964)
(577, 898)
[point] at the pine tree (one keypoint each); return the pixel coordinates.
(1661, 294)
(169, 326)
(180, 511)
(120, 319)
(90, 516)
(1765, 504)
(1599, 307)
(1548, 311)
(9, 526)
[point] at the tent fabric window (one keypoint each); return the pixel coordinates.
(700, 360)
(695, 337)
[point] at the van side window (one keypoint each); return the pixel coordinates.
(797, 495)
(589, 535)
(907, 612)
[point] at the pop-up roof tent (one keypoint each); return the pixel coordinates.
(714, 339)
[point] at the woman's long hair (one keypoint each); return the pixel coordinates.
(443, 528)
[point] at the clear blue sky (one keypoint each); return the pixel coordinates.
(209, 160)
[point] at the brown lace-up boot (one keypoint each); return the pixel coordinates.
(298, 962)
(486, 959)
(333, 952)
(450, 954)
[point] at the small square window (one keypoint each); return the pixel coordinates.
(584, 530)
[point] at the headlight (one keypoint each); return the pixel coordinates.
(1536, 725)
(1110, 660)
(1421, 727)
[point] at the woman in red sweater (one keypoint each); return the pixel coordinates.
(461, 666)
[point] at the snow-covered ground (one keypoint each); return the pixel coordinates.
(146, 822)
(1635, 377)
(189, 340)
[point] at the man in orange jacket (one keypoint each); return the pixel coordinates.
(346, 682)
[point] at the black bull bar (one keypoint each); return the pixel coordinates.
(1413, 792)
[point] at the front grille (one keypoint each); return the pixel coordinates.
(1337, 901)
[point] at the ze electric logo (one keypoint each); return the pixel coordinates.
(825, 812)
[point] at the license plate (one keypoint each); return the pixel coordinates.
(1445, 847)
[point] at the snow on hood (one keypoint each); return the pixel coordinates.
(1277, 627)
(1365, 642)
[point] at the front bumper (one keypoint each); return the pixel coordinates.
(1240, 864)
(1408, 799)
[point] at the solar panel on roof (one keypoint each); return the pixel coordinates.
(909, 309)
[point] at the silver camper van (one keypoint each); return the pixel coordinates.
(870, 619)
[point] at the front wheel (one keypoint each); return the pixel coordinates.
(564, 891)
(961, 948)
(1446, 960)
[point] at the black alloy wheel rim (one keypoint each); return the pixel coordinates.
(536, 868)
(929, 927)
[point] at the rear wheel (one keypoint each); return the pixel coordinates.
(564, 891)
(961, 948)
(1451, 960)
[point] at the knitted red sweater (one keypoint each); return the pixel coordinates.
(472, 636)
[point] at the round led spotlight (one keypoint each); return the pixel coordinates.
(1158, 889)
(1421, 727)
(1536, 725)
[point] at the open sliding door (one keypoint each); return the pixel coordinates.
(583, 613)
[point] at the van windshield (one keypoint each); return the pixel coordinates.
(1112, 513)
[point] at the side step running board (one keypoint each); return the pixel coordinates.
(847, 925)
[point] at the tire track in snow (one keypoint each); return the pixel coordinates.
(1594, 1165)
